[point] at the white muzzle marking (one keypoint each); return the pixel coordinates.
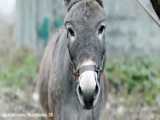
(87, 80)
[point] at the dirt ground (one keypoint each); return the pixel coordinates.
(117, 108)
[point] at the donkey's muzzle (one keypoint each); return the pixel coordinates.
(88, 97)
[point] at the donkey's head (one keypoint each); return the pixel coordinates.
(85, 25)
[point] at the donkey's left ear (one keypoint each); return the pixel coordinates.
(100, 2)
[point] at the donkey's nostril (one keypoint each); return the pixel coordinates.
(80, 90)
(97, 89)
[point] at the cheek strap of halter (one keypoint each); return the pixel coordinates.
(98, 69)
(73, 66)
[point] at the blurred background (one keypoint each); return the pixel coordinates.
(133, 49)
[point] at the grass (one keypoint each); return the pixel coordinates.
(128, 76)
(139, 75)
(19, 70)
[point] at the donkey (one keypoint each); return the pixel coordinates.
(72, 84)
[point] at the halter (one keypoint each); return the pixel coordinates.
(96, 68)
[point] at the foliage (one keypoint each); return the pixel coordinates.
(139, 75)
(58, 22)
(44, 29)
(18, 71)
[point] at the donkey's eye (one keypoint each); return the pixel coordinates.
(101, 31)
(71, 32)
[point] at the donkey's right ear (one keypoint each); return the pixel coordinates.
(67, 2)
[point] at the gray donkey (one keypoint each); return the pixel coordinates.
(72, 83)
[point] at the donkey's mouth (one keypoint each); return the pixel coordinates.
(87, 101)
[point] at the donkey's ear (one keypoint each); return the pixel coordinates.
(100, 2)
(67, 2)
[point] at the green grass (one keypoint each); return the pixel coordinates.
(139, 75)
(128, 76)
(18, 71)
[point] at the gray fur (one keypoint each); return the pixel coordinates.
(70, 3)
(57, 86)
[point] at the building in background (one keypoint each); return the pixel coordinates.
(130, 30)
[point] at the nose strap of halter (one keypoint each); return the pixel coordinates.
(87, 68)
